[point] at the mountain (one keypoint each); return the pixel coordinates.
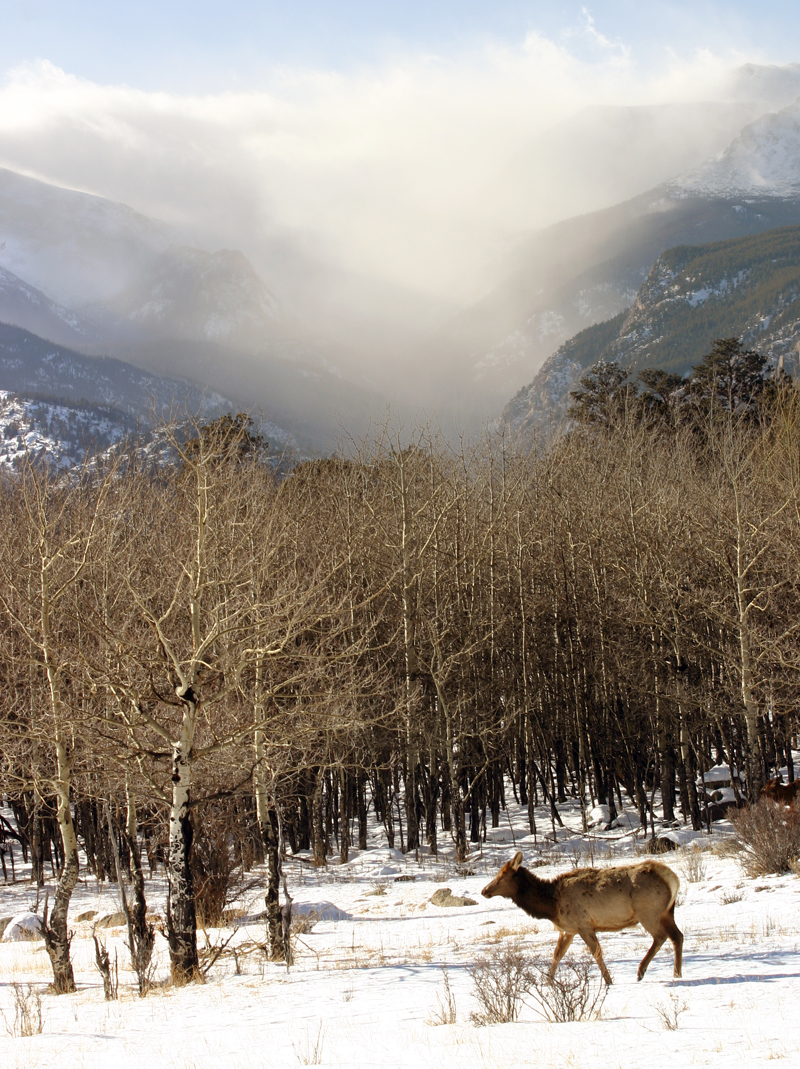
(64, 405)
(763, 160)
(747, 288)
(25, 306)
(195, 295)
(102, 279)
(604, 154)
(30, 364)
(73, 246)
(588, 269)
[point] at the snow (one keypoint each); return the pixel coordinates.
(721, 775)
(368, 979)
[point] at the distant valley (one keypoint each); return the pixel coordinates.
(121, 309)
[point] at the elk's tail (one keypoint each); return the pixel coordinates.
(674, 885)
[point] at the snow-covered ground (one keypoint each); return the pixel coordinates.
(366, 986)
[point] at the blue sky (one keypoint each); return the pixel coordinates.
(198, 46)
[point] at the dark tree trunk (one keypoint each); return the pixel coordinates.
(181, 918)
(57, 938)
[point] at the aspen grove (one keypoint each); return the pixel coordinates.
(210, 656)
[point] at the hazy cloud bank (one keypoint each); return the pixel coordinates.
(412, 176)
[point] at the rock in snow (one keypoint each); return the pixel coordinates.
(24, 928)
(445, 897)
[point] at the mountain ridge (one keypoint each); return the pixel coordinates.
(746, 287)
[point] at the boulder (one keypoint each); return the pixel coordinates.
(111, 920)
(445, 897)
(87, 915)
(24, 928)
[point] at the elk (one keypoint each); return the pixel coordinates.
(778, 792)
(586, 901)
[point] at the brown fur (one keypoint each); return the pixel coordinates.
(586, 901)
(781, 793)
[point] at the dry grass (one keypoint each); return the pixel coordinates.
(309, 1050)
(445, 1012)
(693, 864)
(669, 1013)
(28, 1019)
(729, 897)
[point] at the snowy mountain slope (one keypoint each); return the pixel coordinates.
(586, 271)
(61, 404)
(58, 433)
(747, 287)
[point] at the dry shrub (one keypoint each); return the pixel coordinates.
(576, 992)
(770, 837)
(502, 978)
(212, 875)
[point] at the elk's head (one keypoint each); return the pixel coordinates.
(506, 882)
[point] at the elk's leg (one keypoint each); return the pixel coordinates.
(666, 927)
(590, 939)
(658, 941)
(562, 946)
(676, 936)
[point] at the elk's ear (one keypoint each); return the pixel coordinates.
(516, 861)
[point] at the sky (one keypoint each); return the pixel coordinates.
(207, 46)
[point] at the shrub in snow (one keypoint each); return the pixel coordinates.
(576, 992)
(212, 875)
(501, 979)
(770, 837)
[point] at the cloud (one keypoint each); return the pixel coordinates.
(387, 174)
